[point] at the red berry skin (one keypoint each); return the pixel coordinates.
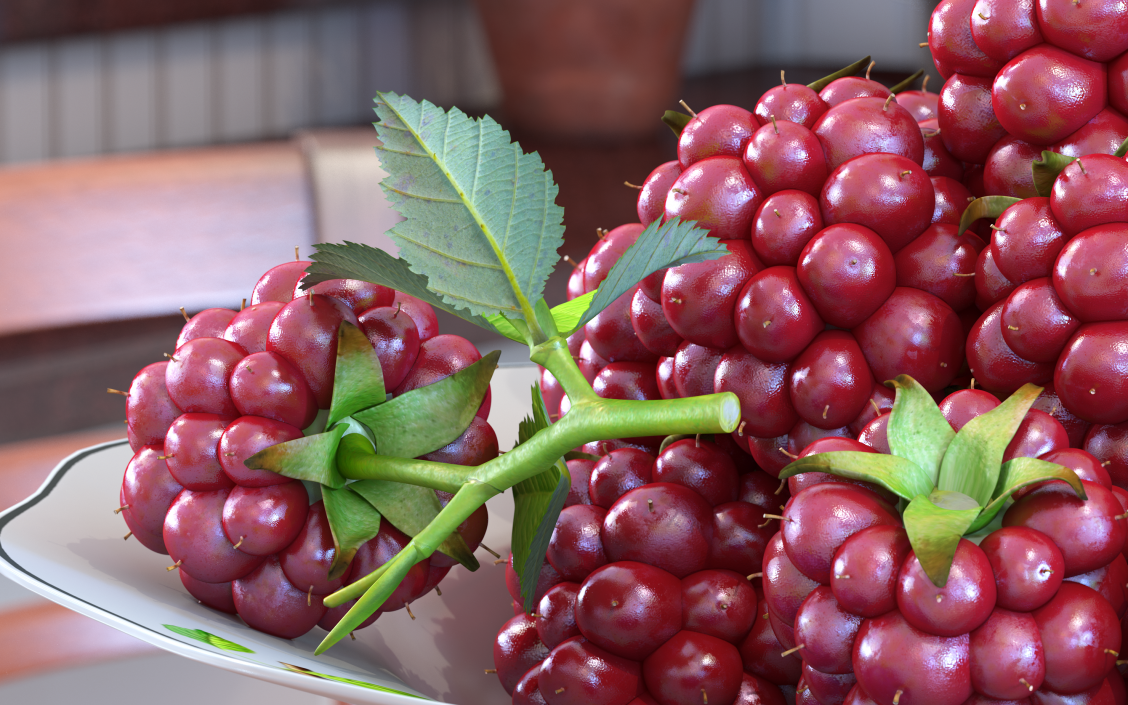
(991, 286)
(715, 131)
(702, 467)
(527, 690)
(880, 402)
(952, 199)
(1109, 445)
(652, 198)
(1045, 94)
(857, 696)
(740, 537)
(191, 450)
(517, 649)
(828, 688)
(611, 332)
(269, 603)
(627, 380)
(1087, 531)
(818, 520)
(784, 155)
(1075, 428)
(579, 471)
(379, 550)
(784, 224)
(719, 194)
(209, 323)
(265, 384)
(629, 608)
(1080, 636)
(826, 631)
(699, 299)
(719, 603)
(830, 380)
(848, 272)
(607, 252)
(651, 327)
(867, 126)
(793, 102)
(147, 491)
(547, 579)
(890, 655)
(691, 666)
(993, 364)
(762, 653)
(775, 319)
(830, 444)
(1007, 662)
(963, 405)
(665, 525)
(197, 376)
(214, 595)
(951, 44)
(1097, 31)
(265, 520)
(1109, 582)
(891, 195)
(307, 559)
(1082, 462)
(935, 262)
(246, 436)
(278, 283)
(556, 614)
(358, 295)
(1089, 273)
(1003, 29)
(965, 601)
(580, 673)
(913, 333)
(395, 338)
(575, 549)
(439, 357)
(617, 473)
(305, 333)
(695, 368)
(938, 161)
(1007, 170)
(193, 534)
(1027, 240)
(1102, 135)
(847, 87)
(1118, 84)
(922, 104)
(149, 410)
(970, 127)
(1027, 565)
(1091, 377)
(1038, 434)
(249, 328)
(762, 388)
(866, 566)
(1035, 323)
(426, 322)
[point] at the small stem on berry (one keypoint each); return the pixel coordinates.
(782, 484)
(111, 390)
(174, 566)
(184, 313)
(788, 453)
(887, 102)
(782, 79)
(869, 68)
(634, 186)
(121, 509)
(924, 84)
(774, 125)
(243, 305)
(407, 607)
(793, 650)
(499, 561)
(126, 537)
(490, 670)
(683, 104)
(897, 696)
(438, 591)
(755, 575)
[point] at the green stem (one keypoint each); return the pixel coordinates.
(555, 357)
(358, 465)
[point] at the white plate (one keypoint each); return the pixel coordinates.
(65, 543)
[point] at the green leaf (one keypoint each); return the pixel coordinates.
(904, 85)
(971, 465)
(935, 531)
(578, 455)
(900, 476)
(208, 638)
(347, 681)
(353, 522)
(986, 207)
(1046, 171)
(428, 418)
(358, 382)
(841, 73)
(481, 222)
(568, 314)
(411, 508)
(659, 246)
(312, 458)
(1122, 150)
(350, 260)
(504, 326)
(676, 121)
(1017, 473)
(917, 430)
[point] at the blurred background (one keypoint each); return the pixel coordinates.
(155, 155)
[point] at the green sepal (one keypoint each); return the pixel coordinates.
(208, 638)
(670, 440)
(545, 319)
(904, 85)
(900, 476)
(347, 681)
(676, 121)
(353, 522)
(568, 314)
(1020, 472)
(312, 458)
(428, 418)
(935, 531)
(841, 73)
(505, 327)
(391, 575)
(579, 455)
(986, 207)
(537, 503)
(358, 382)
(971, 465)
(1046, 170)
(917, 430)
(659, 245)
(410, 509)
(1122, 150)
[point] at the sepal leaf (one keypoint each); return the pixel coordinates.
(1122, 150)
(428, 418)
(676, 121)
(900, 476)
(358, 382)
(917, 430)
(1046, 169)
(971, 464)
(986, 207)
(312, 458)
(935, 530)
(660, 245)
(353, 522)
(841, 73)
(1021, 472)
(904, 85)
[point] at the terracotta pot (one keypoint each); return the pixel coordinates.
(604, 69)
